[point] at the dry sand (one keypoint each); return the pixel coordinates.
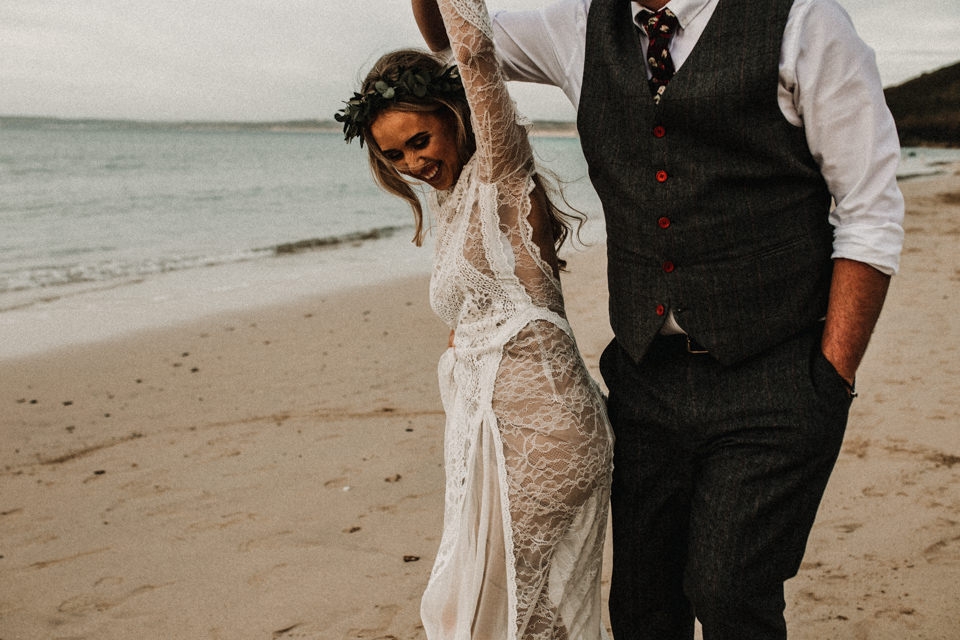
(276, 472)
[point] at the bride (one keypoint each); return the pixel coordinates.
(527, 446)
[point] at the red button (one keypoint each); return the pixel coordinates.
(659, 131)
(663, 222)
(661, 309)
(661, 176)
(668, 267)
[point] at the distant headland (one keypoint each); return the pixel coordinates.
(927, 109)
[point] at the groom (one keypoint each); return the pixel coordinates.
(746, 160)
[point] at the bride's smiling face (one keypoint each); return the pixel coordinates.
(420, 144)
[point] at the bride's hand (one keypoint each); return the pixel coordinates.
(450, 340)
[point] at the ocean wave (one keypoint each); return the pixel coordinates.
(70, 274)
(75, 273)
(333, 241)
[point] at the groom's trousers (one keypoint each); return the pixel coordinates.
(718, 474)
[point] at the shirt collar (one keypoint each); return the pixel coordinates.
(685, 10)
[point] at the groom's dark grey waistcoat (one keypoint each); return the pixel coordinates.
(714, 206)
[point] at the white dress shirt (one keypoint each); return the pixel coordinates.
(829, 85)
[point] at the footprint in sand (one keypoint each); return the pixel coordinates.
(848, 527)
(90, 602)
(337, 483)
(944, 551)
(385, 616)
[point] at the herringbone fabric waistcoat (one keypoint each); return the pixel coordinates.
(714, 206)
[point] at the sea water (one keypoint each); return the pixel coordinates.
(101, 202)
(112, 227)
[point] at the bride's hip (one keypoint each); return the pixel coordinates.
(503, 334)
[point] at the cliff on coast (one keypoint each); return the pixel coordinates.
(927, 108)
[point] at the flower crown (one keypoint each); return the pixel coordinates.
(362, 108)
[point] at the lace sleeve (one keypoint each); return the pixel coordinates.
(503, 150)
(522, 233)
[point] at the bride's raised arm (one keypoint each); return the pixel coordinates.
(502, 146)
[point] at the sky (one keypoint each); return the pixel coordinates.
(267, 60)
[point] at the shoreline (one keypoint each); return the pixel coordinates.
(101, 311)
(274, 468)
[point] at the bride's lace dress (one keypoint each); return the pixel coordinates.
(527, 446)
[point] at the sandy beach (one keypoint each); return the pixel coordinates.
(274, 471)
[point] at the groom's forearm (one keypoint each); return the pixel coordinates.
(857, 293)
(430, 22)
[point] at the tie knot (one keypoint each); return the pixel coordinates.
(661, 24)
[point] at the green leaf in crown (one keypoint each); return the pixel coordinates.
(362, 108)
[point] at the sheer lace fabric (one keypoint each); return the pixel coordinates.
(527, 444)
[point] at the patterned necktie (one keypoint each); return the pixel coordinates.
(660, 28)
